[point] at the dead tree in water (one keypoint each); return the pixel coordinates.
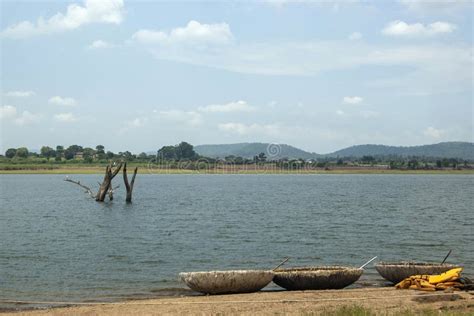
(129, 187)
(105, 188)
(107, 182)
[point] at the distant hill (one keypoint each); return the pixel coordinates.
(460, 150)
(249, 150)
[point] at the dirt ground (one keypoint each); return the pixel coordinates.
(380, 301)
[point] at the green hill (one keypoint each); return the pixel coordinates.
(459, 150)
(249, 150)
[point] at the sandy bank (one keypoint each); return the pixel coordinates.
(386, 301)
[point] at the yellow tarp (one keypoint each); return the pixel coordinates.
(448, 279)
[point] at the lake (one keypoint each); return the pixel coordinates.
(58, 244)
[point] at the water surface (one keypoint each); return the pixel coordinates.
(59, 244)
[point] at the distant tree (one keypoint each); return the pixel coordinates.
(59, 152)
(230, 158)
(185, 151)
(68, 154)
(109, 155)
(47, 152)
(22, 152)
(413, 164)
(445, 163)
(128, 156)
(142, 156)
(167, 153)
(262, 157)
(71, 151)
(368, 159)
(453, 162)
(439, 164)
(88, 154)
(10, 153)
(100, 151)
(75, 148)
(340, 162)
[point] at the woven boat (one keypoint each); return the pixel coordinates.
(397, 271)
(316, 278)
(226, 282)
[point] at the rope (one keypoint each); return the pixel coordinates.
(227, 302)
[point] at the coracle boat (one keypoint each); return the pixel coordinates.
(398, 271)
(227, 282)
(316, 278)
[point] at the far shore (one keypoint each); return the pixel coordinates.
(368, 301)
(152, 170)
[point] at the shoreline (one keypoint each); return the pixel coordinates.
(386, 301)
(144, 170)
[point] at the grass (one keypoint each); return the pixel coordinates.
(356, 310)
(144, 169)
(349, 311)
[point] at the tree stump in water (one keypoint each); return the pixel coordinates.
(128, 186)
(107, 182)
(106, 188)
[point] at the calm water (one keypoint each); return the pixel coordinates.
(56, 243)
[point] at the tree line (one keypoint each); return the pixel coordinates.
(172, 154)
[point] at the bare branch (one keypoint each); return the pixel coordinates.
(88, 190)
(115, 171)
(133, 177)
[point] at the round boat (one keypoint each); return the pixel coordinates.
(397, 271)
(226, 282)
(316, 278)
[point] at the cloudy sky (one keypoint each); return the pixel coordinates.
(137, 75)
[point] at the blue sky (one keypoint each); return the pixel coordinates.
(137, 75)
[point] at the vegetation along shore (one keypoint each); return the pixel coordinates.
(256, 158)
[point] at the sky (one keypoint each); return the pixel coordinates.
(318, 75)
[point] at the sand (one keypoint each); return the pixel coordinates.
(383, 301)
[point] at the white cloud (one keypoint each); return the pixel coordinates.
(99, 44)
(93, 11)
(433, 132)
(135, 123)
(340, 112)
(7, 112)
(65, 117)
(400, 28)
(194, 32)
(20, 94)
(352, 100)
(10, 113)
(355, 36)
(191, 118)
(26, 117)
(62, 101)
(250, 129)
(430, 67)
(239, 106)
